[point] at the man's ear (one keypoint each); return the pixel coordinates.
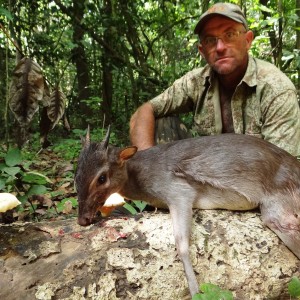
(200, 49)
(249, 38)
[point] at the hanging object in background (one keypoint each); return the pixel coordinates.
(27, 90)
(56, 108)
(51, 114)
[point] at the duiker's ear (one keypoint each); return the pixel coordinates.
(85, 141)
(127, 153)
(106, 139)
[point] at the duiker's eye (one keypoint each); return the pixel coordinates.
(102, 179)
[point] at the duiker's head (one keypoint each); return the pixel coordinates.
(101, 171)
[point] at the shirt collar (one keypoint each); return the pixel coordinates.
(249, 78)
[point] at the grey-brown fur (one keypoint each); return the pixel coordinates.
(235, 172)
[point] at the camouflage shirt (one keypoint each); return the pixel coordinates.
(264, 104)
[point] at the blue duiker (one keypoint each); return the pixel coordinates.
(229, 171)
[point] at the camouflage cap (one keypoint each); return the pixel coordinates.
(229, 10)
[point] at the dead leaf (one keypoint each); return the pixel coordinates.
(26, 90)
(113, 235)
(68, 207)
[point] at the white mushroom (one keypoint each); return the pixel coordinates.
(8, 201)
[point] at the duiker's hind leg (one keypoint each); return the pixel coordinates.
(283, 217)
(181, 219)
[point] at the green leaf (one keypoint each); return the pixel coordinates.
(294, 287)
(6, 13)
(12, 171)
(72, 200)
(213, 292)
(35, 177)
(36, 190)
(56, 193)
(288, 57)
(2, 166)
(130, 208)
(23, 199)
(208, 287)
(2, 184)
(207, 296)
(265, 8)
(197, 297)
(60, 206)
(226, 295)
(13, 157)
(140, 204)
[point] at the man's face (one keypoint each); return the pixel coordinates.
(226, 58)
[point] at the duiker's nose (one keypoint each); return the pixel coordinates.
(84, 221)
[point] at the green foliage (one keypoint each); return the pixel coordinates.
(14, 178)
(129, 51)
(93, 102)
(294, 287)
(135, 206)
(98, 134)
(13, 157)
(212, 292)
(68, 149)
(6, 13)
(66, 204)
(35, 177)
(35, 190)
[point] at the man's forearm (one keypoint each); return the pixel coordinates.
(142, 127)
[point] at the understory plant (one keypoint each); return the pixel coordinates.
(294, 288)
(213, 292)
(16, 177)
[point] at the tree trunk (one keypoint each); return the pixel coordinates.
(80, 61)
(271, 33)
(107, 65)
(168, 129)
(135, 258)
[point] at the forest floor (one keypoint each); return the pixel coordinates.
(59, 199)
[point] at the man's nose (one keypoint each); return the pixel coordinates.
(220, 46)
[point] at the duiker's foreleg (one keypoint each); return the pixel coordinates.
(181, 216)
(284, 219)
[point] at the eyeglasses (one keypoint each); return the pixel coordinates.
(229, 37)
